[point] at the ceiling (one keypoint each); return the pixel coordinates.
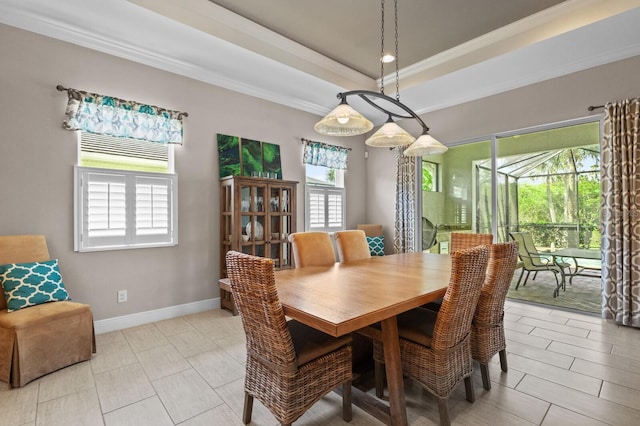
(302, 53)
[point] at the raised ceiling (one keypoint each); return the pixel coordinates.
(349, 31)
(301, 53)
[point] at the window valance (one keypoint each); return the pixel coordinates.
(106, 115)
(322, 154)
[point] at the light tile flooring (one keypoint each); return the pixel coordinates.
(564, 369)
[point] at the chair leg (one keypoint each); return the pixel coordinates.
(520, 278)
(526, 278)
(486, 381)
(468, 387)
(535, 274)
(444, 412)
(379, 379)
(248, 408)
(347, 414)
(503, 360)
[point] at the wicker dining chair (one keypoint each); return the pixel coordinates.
(487, 327)
(460, 241)
(289, 365)
(352, 245)
(312, 249)
(435, 347)
(465, 240)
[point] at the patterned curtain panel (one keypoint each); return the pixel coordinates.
(405, 203)
(321, 154)
(106, 115)
(620, 206)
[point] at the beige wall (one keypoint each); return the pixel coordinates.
(552, 101)
(37, 158)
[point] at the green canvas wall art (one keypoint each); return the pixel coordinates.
(271, 158)
(229, 155)
(242, 157)
(251, 157)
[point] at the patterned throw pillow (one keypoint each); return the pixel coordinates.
(30, 284)
(376, 245)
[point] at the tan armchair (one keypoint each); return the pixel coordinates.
(40, 339)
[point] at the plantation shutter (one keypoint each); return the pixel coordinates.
(125, 208)
(325, 211)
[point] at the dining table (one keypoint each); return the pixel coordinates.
(349, 297)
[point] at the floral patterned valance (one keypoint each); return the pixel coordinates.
(322, 154)
(106, 115)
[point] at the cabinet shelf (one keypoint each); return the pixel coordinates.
(263, 209)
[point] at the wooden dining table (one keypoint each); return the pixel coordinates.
(347, 297)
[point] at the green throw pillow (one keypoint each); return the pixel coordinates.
(376, 245)
(30, 284)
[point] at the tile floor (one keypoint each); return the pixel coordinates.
(565, 368)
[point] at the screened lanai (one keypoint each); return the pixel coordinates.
(547, 181)
(554, 194)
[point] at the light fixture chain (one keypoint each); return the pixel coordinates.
(382, 48)
(397, 58)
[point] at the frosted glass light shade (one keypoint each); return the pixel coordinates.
(425, 145)
(390, 135)
(343, 121)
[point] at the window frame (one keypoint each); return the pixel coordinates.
(84, 243)
(326, 191)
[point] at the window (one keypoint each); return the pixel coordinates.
(125, 194)
(430, 176)
(324, 199)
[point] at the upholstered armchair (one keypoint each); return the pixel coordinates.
(375, 237)
(39, 339)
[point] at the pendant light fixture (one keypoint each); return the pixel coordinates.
(346, 121)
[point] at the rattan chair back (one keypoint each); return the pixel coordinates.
(487, 329)
(254, 293)
(465, 240)
(453, 323)
(503, 258)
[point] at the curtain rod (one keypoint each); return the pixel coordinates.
(592, 107)
(61, 88)
(303, 140)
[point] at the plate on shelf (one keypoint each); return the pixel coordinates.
(259, 231)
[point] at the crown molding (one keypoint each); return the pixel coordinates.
(544, 25)
(221, 23)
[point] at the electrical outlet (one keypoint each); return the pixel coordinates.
(122, 296)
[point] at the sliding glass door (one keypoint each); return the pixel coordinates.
(546, 181)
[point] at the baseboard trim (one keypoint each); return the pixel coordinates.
(139, 318)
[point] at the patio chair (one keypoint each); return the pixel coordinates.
(290, 366)
(533, 261)
(435, 347)
(487, 328)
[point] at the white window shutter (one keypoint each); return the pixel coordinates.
(123, 209)
(325, 208)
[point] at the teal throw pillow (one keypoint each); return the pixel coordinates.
(30, 284)
(376, 245)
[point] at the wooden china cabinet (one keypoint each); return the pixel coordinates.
(256, 217)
